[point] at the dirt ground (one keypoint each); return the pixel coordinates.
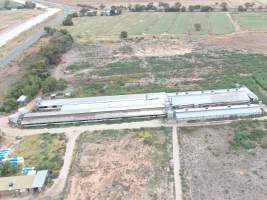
(108, 52)
(10, 19)
(212, 169)
(245, 40)
(121, 165)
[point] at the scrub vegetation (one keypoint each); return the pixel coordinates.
(249, 135)
(44, 151)
(224, 161)
(204, 68)
(117, 164)
(37, 70)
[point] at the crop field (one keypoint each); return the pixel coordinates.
(225, 161)
(11, 4)
(122, 164)
(95, 70)
(250, 20)
(137, 24)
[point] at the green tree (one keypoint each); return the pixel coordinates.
(124, 35)
(197, 26)
(51, 84)
(7, 169)
(68, 21)
(9, 104)
(7, 4)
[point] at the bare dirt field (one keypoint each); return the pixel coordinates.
(126, 164)
(224, 162)
(10, 19)
(251, 41)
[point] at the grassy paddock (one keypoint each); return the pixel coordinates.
(136, 24)
(11, 4)
(44, 151)
(251, 20)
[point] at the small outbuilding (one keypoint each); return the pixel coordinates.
(34, 182)
(22, 99)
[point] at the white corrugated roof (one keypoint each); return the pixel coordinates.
(39, 179)
(238, 110)
(102, 99)
(210, 98)
(62, 119)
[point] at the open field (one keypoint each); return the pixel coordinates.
(122, 164)
(250, 20)
(137, 24)
(12, 4)
(112, 69)
(224, 162)
(45, 151)
(10, 19)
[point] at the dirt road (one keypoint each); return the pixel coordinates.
(176, 164)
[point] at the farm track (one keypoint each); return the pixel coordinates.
(172, 23)
(234, 22)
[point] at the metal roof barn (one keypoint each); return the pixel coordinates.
(101, 99)
(57, 118)
(40, 179)
(23, 182)
(210, 98)
(218, 112)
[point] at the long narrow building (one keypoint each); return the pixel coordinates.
(181, 105)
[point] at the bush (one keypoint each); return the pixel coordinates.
(124, 35)
(68, 21)
(7, 169)
(197, 27)
(50, 85)
(8, 105)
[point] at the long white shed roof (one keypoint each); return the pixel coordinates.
(102, 99)
(220, 111)
(210, 98)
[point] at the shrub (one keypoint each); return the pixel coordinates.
(124, 35)
(68, 21)
(50, 84)
(197, 27)
(8, 105)
(7, 169)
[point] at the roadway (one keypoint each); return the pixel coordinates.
(35, 36)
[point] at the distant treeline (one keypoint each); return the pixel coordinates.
(177, 7)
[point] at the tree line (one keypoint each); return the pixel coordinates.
(37, 75)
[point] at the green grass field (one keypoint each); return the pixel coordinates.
(11, 4)
(251, 20)
(152, 24)
(44, 151)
